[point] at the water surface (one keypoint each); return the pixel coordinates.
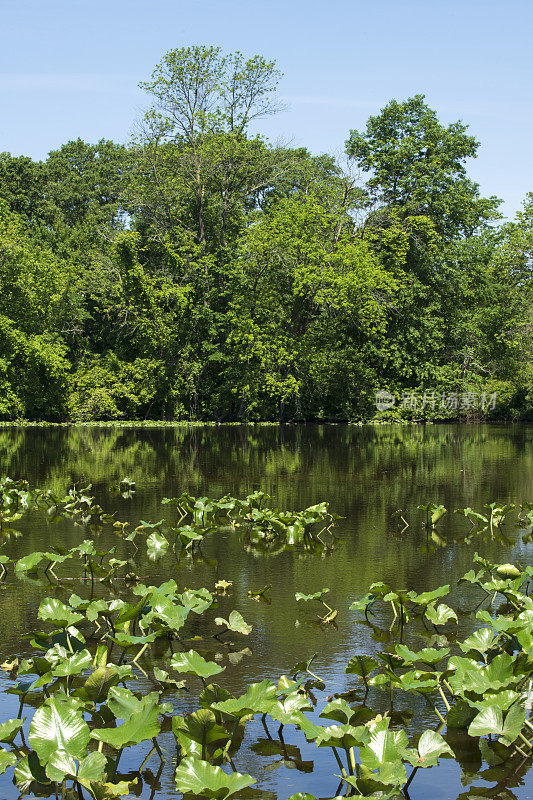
(365, 473)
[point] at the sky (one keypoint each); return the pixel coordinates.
(71, 68)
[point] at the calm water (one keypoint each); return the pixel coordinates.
(366, 474)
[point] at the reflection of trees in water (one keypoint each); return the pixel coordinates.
(289, 461)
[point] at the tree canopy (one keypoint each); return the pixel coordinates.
(201, 272)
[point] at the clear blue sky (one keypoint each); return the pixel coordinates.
(70, 68)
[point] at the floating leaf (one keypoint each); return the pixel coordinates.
(92, 768)
(480, 641)
(427, 655)
(258, 699)
(440, 615)
(306, 597)
(199, 734)
(490, 721)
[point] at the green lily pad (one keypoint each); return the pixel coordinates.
(430, 747)
(57, 726)
(10, 728)
(56, 612)
(6, 760)
(258, 699)
(142, 725)
(197, 777)
(440, 615)
(192, 663)
(235, 623)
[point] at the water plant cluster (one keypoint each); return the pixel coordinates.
(487, 524)
(80, 706)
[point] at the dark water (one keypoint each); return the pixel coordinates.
(365, 473)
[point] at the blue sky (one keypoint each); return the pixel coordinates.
(70, 68)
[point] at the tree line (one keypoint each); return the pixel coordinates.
(202, 272)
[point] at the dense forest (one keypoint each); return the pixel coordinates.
(201, 272)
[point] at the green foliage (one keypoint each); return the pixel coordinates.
(202, 273)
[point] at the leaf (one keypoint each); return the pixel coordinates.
(57, 726)
(361, 665)
(198, 777)
(503, 700)
(289, 710)
(302, 796)
(192, 663)
(199, 728)
(142, 725)
(490, 721)
(156, 546)
(10, 728)
(514, 722)
(223, 585)
(123, 704)
(427, 655)
(471, 676)
(29, 563)
(383, 746)
(196, 600)
(425, 598)
(440, 615)
(306, 597)
(129, 612)
(341, 736)
(107, 791)
(480, 641)
(508, 571)
(258, 699)
(363, 603)
(416, 680)
(56, 612)
(338, 710)
(27, 771)
(163, 678)
(213, 694)
(92, 767)
(235, 623)
(6, 760)
(74, 665)
(99, 683)
(59, 765)
(430, 747)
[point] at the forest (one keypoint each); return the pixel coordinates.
(201, 272)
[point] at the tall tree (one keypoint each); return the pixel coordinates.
(419, 165)
(196, 158)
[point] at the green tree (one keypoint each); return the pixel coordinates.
(305, 290)
(419, 165)
(195, 155)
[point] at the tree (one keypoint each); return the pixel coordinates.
(85, 182)
(305, 298)
(23, 186)
(194, 151)
(419, 165)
